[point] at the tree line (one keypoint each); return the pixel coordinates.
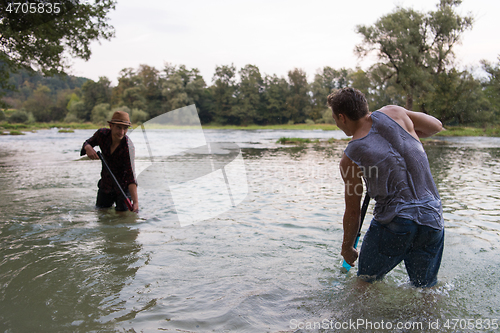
(414, 68)
(244, 96)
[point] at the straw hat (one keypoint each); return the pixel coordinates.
(121, 118)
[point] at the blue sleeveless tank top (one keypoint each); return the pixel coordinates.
(397, 173)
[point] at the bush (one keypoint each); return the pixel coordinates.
(57, 113)
(71, 118)
(19, 116)
(328, 117)
(2, 115)
(78, 109)
(31, 118)
(139, 116)
(100, 114)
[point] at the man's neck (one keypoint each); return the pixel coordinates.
(361, 127)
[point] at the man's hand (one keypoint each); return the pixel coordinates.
(350, 254)
(132, 188)
(135, 206)
(91, 152)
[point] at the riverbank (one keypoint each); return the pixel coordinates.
(6, 128)
(470, 131)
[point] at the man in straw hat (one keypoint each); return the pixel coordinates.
(117, 149)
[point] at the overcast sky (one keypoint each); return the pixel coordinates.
(275, 35)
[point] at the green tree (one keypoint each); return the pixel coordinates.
(57, 113)
(73, 98)
(139, 116)
(62, 98)
(100, 113)
(174, 92)
(94, 93)
(152, 82)
(76, 112)
(492, 85)
(413, 46)
(383, 91)
(298, 103)
(249, 108)
(223, 91)
(18, 117)
(181, 87)
(24, 84)
(325, 82)
(205, 105)
(39, 104)
(40, 41)
(458, 98)
(360, 80)
(126, 79)
(193, 83)
(133, 97)
(276, 92)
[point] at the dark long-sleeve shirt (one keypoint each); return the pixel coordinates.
(121, 162)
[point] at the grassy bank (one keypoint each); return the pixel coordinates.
(285, 141)
(470, 131)
(324, 127)
(36, 126)
(39, 126)
(450, 131)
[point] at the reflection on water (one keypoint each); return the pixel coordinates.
(269, 265)
(58, 275)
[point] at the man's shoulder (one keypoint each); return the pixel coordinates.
(101, 135)
(399, 115)
(103, 131)
(393, 111)
(346, 164)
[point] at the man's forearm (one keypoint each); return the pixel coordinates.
(351, 228)
(132, 188)
(425, 125)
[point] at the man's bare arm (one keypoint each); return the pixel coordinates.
(425, 125)
(353, 191)
(91, 153)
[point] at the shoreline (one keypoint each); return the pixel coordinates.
(18, 129)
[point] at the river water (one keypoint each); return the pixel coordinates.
(269, 264)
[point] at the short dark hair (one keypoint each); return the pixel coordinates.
(350, 102)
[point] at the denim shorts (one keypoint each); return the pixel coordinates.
(386, 245)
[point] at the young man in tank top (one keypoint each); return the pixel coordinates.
(386, 152)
